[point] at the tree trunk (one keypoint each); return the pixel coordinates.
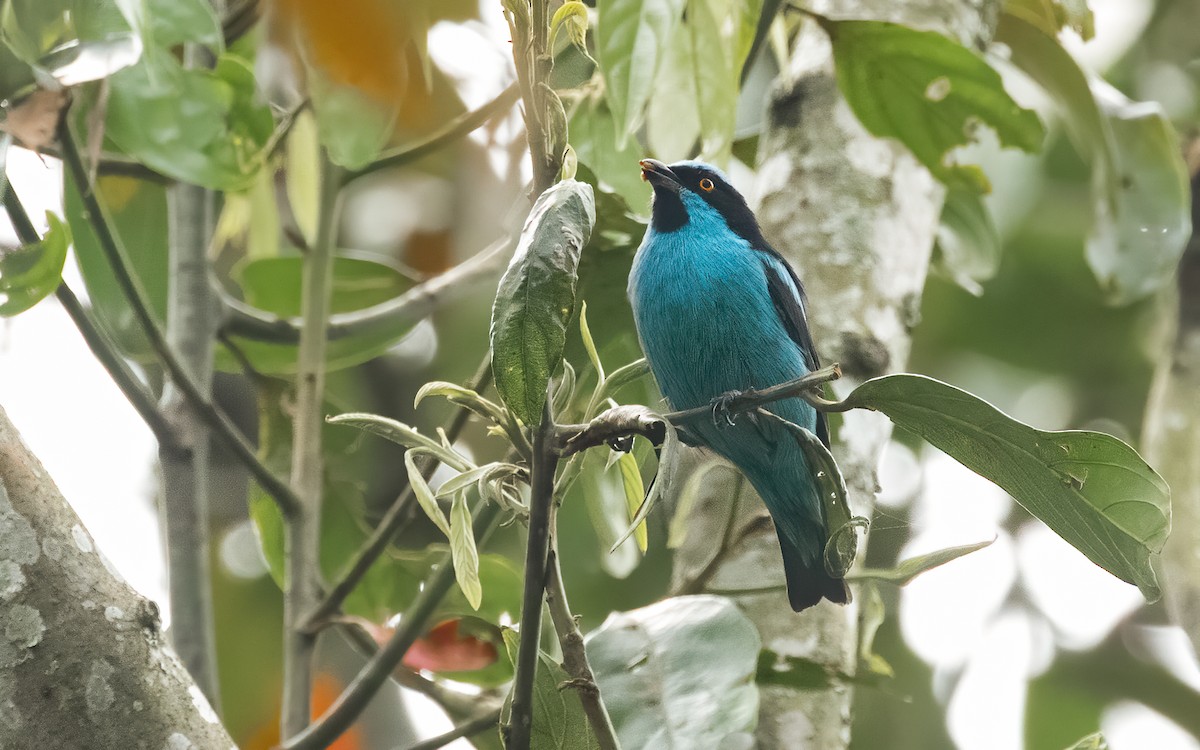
(83, 663)
(856, 216)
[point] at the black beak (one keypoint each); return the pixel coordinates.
(659, 175)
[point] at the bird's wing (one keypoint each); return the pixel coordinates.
(787, 293)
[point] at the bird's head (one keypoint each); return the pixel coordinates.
(689, 190)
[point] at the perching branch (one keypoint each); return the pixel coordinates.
(398, 515)
(321, 733)
(303, 528)
(131, 288)
(457, 128)
(623, 421)
(575, 661)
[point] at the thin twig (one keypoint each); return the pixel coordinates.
(128, 383)
(481, 723)
(303, 529)
(457, 128)
(575, 660)
(222, 427)
(541, 497)
(321, 733)
(399, 514)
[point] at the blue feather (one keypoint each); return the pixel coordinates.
(717, 310)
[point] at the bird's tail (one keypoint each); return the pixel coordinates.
(809, 582)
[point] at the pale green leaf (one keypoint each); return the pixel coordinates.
(903, 573)
(635, 493)
(679, 674)
(463, 551)
(968, 245)
(630, 38)
(400, 433)
(424, 496)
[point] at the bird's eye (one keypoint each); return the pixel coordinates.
(707, 185)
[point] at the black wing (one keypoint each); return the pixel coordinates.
(789, 303)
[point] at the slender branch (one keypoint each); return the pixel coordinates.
(104, 351)
(541, 497)
(303, 529)
(613, 425)
(131, 288)
(190, 329)
(106, 354)
(362, 690)
(398, 515)
(575, 660)
(480, 724)
(457, 128)
(396, 315)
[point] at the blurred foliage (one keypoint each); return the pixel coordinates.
(1060, 273)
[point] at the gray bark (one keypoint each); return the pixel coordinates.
(856, 216)
(83, 663)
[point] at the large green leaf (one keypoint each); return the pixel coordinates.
(679, 674)
(1092, 489)
(537, 296)
(175, 22)
(352, 126)
(207, 127)
(594, 138)
(928, 92)
(1139, 181)
(72, 41)
(31, 272)
(631, 36)
(559, 722)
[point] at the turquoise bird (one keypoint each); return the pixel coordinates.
(718, 310)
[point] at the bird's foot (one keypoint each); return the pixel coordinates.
(722, 408)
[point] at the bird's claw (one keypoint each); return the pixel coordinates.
(722, 411)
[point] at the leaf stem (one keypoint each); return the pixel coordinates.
(541, 497)
(575, 661)
(452, 131)
(321, 733)
(223, 428)
(303, 529)
(397, 516)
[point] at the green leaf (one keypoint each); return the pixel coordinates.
(968, 245)
(609, 164)
(137, 212)
(572, 16)
(903, 573)
(352, 126)
(1139, 181)
(559, 722)
(175, 22)
(635, 494)
(31, 272)
(1093, 741)
(217, 144)
(928, 92)
(679, 674)
(664, 480)
(537, 296)
(1092, 489)
(359, 281)
(72, 41)
(631, 36)
(589, 345)
(1140, 235)
(1051, 16)
(463, 551)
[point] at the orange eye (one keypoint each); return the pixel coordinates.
(707, 185)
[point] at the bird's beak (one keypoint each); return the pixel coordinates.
(659, 175)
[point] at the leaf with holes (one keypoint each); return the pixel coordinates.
(929, 93)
